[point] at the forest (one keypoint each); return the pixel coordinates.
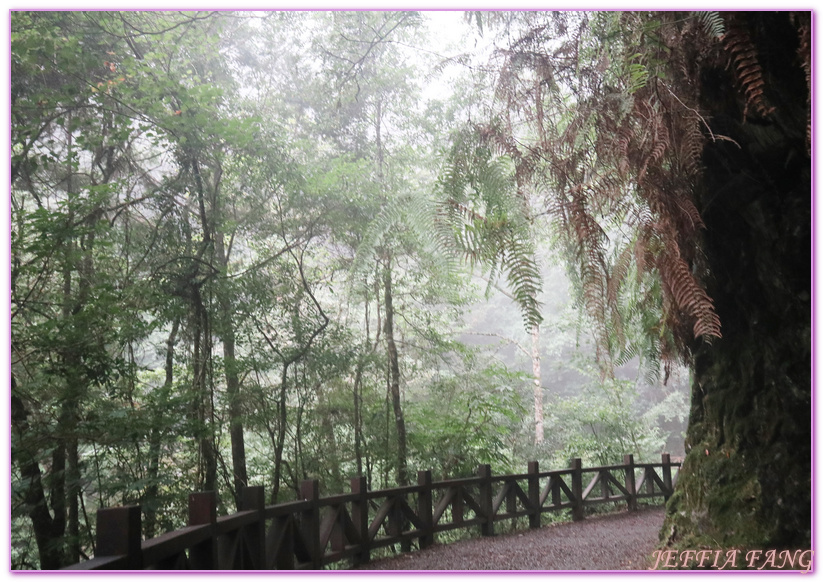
(253, 248)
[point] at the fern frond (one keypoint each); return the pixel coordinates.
(625, 150)
(661, 142)
(692, 145)
(490, 225)
(414, 213)
(691, 212)
(389, 217)
(690, 296)
(624, 136)
(804, 30)
(627, 354)
(620, 270)
(712, 23)
(637, 74)
(747, 69)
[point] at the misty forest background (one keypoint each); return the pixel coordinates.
(255, 248)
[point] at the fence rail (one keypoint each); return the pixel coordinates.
(317, 531)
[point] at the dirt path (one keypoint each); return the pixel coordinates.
(620, 541)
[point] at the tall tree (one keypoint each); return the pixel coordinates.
(371, 84)
(749, 464)
(71, 155)
(114, 238)
(662, 121)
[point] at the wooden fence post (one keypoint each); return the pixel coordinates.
(119, 533)
(485, 474)
(534, 494)
(394, 520)
(554, 482)
(457, 505)
(667, 476)
(577, 489)
(360, 518)
(631, 502)
(254, 499)
(400, 522)
(310, 521)
(604, 482)
(203, 511)
(424, 508)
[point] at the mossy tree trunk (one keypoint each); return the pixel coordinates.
(745, 481)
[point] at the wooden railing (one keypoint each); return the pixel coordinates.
(317, 531)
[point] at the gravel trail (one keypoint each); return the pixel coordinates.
(619, 541)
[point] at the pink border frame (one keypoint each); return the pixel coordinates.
(5, 355)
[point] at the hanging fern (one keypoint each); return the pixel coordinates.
(712, 23)
(802, 20)
(747, 69)
(609, 137)
(689, 296)
(489, 222)
(418, 215)
(637, 75)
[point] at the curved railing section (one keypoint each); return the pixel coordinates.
(318, 531)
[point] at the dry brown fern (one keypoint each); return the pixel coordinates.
(691, 147)
(804, 30)
(747, 68)
(624, 136)
(661, 142)
(629, 154)
(689, 295)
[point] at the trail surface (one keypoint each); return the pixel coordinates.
(619, 541)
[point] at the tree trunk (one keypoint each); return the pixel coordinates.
(331, 453)
(67, 473)
(358, 417)
(745, 481)
(150, 499)
(538, 386)
(238, 446)
(206, 447)
(394, 379)
(282, 417)
(73, 492)
(46, 530)
(358, 389)
(149, 502)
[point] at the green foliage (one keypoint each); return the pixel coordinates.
(415, 218)
(637, 74)
(608, 417)
(711, 22)
(465, 420)
(490, 223)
